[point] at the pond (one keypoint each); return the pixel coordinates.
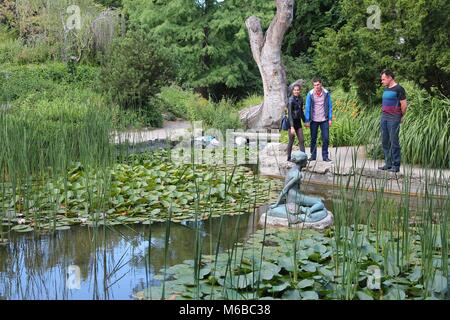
(113, 262)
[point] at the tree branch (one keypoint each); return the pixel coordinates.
(280, 22)
(256, 37)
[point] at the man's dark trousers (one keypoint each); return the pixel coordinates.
(324, 131)
(390, 141)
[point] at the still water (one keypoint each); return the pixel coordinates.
(113, 262)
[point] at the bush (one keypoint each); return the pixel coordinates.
(21, 81)
(222, 115)
(191, 106)
(135, 73)
(179, 102)
(250, 101)
(9, 50)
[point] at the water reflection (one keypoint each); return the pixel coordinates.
(112, 262)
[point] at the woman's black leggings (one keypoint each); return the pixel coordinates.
(301, 141)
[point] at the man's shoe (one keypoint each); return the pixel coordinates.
(394, 169)
(384, 168)
(312, 159)
(327, 160)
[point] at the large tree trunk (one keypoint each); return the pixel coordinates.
(266, 51)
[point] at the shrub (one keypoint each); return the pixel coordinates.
(21, 81)
(9, 50)
(221, 115)
(180, 102)
(250, 101)
(135, 73)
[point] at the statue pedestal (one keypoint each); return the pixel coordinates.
(283, 222)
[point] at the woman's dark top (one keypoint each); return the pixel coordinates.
(295, 111)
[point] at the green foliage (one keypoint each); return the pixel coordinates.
(221, 115)
(300, 67)
(180, 102)
(9, 50)
(21, 81)
(249, 101)
(413, 41)
(310, 20)
(185, 104)
(110, 3)
(53, 131)
(208, 40)
(134, 74)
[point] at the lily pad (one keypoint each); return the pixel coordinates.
(305, 283)
(309, 295)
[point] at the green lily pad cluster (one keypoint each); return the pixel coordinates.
(304, 265)
(145, 188)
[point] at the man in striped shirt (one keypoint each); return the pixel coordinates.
(393, 108)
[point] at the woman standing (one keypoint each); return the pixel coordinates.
(295, 116)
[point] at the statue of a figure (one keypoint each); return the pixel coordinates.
(291, 203)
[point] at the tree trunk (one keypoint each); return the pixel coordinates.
(266, 51)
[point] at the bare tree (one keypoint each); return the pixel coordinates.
(266, 50)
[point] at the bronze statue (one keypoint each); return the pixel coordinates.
(291, 203)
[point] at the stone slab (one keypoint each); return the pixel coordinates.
(283, 222)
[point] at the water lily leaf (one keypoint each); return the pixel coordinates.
(315, 257)
(204, 271)
(309, 267)
(305, 283)
(287, 263)
(392, 268)
(395, 294)
(180, 269)
(155, 292)
(305, 243)
(185, 279)
(327, 273)
(309, 295)
(62, 228)
(279, 288)
(269, 270)
(291, 295)
(440, 283)
(320, 248)
(22, 228)
(363, 296)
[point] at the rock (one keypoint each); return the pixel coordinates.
(319, 167)
(283, 222)
(379, 174)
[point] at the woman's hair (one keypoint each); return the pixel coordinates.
(296, 85)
